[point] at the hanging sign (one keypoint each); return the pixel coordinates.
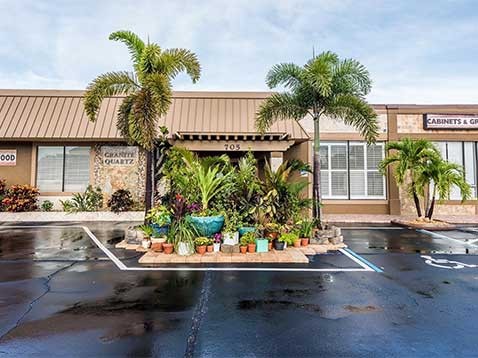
(119, 155)
(450, 121)
(8, 157)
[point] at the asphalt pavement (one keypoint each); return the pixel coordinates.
(60, 295)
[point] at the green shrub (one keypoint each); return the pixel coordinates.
(121, 200)
(20, 198)
(288, 237)
(202, 241)
(248, 238)
(90, 200)
(47, 205)
(146, 230)
(159, 215)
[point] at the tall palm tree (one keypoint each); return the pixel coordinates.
(325, 86)
(147, 90)
(410, 157)
(441, 176)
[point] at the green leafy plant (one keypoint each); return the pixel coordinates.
(305, 228)
(232, 221)
(147, 230)
(248, 238)
(159, 215)
(202, 241)
(182, 231)
(90, 200)
(20, 198)
(288, 237)
(210, 183)
(121, 200)
(47, 205)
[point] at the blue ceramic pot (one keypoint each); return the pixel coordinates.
(208, 225)
(160, 230)
(244, 229)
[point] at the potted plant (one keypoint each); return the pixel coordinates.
(217, 241)
(231, 226)
(168, 248)
(243, 244)
(147, 232)
(182, 233)
(249, 239)
(201, 244)
(160, 219)
(272, 230)
(287, 238)
(306, 228)
(210, 245)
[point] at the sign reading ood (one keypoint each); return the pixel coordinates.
(8, 157)
(450, 121)
(119, 155)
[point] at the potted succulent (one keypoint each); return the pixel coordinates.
(249, 238)
(286, 239)
(201, 244)
(306, 228)
(210, 245)
(230, 229)
(217, 241)
(160, 219)
(243, 244)
(147, 232)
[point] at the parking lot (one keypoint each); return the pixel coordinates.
(60, 294)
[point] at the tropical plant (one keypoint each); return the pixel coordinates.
(47, 205)
(20, 198)
(121, 200)
(202, 241)
(90, 200)
(159, 215)
(437, 178)
(147, 230)
(325, 86)
(182, 231)
(148, 92)
(409, 158)
(305, 227)
(288, 237)
(248, 238)
(232, 221)
(210, 184)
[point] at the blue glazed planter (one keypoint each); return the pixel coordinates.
(244, 229)
(208, 225)
(160, 230)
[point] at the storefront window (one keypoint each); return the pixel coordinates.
(349, 170)
(462, 153)
(63, 169)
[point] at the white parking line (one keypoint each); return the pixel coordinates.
(123, 267)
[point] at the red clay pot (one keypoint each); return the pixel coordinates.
(168, 248)
(297, 242)
(157, 246)
(210, 248)
(201, 249)
(269, 245)
(251, 248)
(272, 235)
(304, 241)
(243, 249)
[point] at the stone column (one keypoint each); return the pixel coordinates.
(393, 190)
(276, 159)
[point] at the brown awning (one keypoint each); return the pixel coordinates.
(59, 115)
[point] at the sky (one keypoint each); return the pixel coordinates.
(416, 51)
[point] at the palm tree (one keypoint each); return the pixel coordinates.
(441, 176)
(324, 87)
(409, 160)
(147, 91)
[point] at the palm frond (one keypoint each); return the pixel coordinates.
(351, 77)
(354, 111)
(149, 58)
(160, 87)
(106, 85)
(143, 122)
(132, 41)
(319, 74)
(280, 106)
(124, 117)
(286, 74)
(176, 60)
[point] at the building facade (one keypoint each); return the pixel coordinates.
(47, 141)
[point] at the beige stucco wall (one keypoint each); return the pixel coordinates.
(111, 178)
(328, 125)
(21, 172)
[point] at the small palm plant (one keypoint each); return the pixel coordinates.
(325, 86)
(409, 159)
(147, 91)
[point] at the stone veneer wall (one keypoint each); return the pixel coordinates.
(111, 178)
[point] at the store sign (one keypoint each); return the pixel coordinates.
(119, 155)
(450, 121)
(8, 157)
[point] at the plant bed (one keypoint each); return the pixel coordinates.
(435, 225)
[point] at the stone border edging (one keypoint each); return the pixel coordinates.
(61, 216)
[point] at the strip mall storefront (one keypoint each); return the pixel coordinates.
(47, 141)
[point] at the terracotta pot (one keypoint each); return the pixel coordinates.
(168, 248)
(243, 249)
(297, 243)
(269, 245)
(304, 241)
(157, 246)
(251, 248)
(201, 249)
(210, 248)
(272, 235)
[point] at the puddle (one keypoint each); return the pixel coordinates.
(362, 309)
(276, 305)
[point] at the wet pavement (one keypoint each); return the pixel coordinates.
(61, 296)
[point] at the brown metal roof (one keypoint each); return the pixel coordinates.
(59, 115)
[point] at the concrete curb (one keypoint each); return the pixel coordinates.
(60, 216)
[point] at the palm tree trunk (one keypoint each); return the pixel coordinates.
(416, 200)
(148, 193)
(316, 194)
(429, 213)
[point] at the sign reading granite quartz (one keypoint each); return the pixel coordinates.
(450, 121)
(119, 155)
(8, 157)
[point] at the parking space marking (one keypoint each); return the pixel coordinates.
(442, 263)
(349, 253)
(441, 236)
